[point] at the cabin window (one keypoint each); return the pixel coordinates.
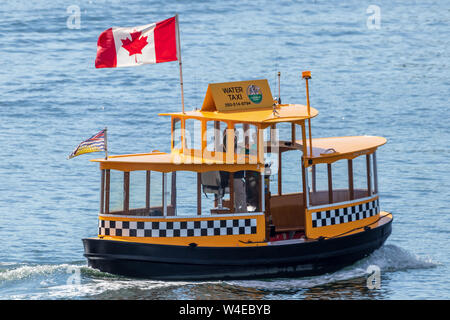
(214, 135)
(284, 131)
(230, 192)
(246, 139)
(271, 156)
(375, 173)
(176, 133)
(137, 189)
(193, 134)
(241, 139)
(283, 158)
(320, 182)
(151, 193)
(291, 174)
(360, 178)
(139, 193)
(339, 171)
(212, 193)
(116, 191)
(343, 180)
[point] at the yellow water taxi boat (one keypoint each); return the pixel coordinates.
(244, 224)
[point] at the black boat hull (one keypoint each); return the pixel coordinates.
(168, 262)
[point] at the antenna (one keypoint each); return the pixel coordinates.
(279, 89)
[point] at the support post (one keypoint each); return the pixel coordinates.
(369, 176)
(313, 178)
(279, 173)
(231, 187)
(293, 133)
(306, 186)
(199, 193)
(102, 191)
(217, 140)
(164, 189)
(147, 190)
(126, 192)
(375, 173)
(107, 189)
(173, 191)
(350, 180)
(330, 184)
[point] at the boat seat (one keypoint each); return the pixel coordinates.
(215, 182)
(287, 229)
(287, 212)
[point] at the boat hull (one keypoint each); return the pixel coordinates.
(170, 262)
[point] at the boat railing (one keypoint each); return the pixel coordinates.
(341, 195)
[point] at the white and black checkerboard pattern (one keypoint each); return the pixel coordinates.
(177, 228)
(344, 215)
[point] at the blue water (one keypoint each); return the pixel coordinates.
(392, 81)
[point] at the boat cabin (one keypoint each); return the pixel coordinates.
(242, 171)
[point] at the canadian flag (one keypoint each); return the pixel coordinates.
(133, 46)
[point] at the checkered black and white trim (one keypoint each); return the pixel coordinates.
(177, 228)
(344, 215)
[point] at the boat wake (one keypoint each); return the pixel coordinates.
(388, 258)
(77, 281)
(71, 281)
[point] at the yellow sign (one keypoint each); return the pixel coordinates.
(239, 95)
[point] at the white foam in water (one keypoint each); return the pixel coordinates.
(97, 287)
(29, 271)
(388, 258)
(67, 287)
(56, 283)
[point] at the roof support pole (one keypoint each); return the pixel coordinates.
(126, 192)
(246, 136)
(279, 173)
(107, 189)
(173, 192)
(102, 191)
(306, 186)
(203, 139)
(217, 140)
(183, 135)
(199, 193)
(260, 144)
(375, 174)
(293, 135)
(313, 178)
(231, 186)
(147, 190)
(230, 147)
(164, 191)
(369, 176)
(330, 184)
(350, 180)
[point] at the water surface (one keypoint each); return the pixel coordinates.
(392, 81)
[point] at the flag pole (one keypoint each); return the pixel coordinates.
(106, 143)
(179, 61)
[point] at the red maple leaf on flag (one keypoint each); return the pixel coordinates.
(135, 45)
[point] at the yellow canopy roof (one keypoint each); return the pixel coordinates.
(284, 113)
(334, 148)
(167, 162)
